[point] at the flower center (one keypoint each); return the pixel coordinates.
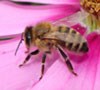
(92, 6)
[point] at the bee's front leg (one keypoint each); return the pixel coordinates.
(28, 57)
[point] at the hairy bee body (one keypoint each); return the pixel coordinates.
(74, 41)
(46, 36)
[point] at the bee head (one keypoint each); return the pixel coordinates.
(28, 36)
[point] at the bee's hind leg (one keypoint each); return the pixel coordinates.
(28, 57)
(67, 61)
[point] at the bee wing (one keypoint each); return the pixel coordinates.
(73, 19)
(65, 37)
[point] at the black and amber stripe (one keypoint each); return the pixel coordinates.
(78, 44)
(84, 47)
(63, 29)
(76, 38)
(78, 47)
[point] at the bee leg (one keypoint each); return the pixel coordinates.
(28, 49)
(70, 67)
(28, 57)
(67, 61)
(43, 65)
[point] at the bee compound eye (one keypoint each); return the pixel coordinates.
(28, 35)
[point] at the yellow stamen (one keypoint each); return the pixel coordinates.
(93, 8)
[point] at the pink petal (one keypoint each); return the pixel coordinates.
(52, 1)
(11, 76)
(82, 30)
(59, 78)
(14, 18)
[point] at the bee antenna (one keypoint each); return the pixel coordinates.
(19, 44)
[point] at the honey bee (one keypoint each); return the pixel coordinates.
(46, 37)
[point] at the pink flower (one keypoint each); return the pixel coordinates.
(14, 18)
(21, 16)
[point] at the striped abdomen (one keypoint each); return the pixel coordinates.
(74, 41)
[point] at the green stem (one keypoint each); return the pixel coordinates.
(92, 23)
